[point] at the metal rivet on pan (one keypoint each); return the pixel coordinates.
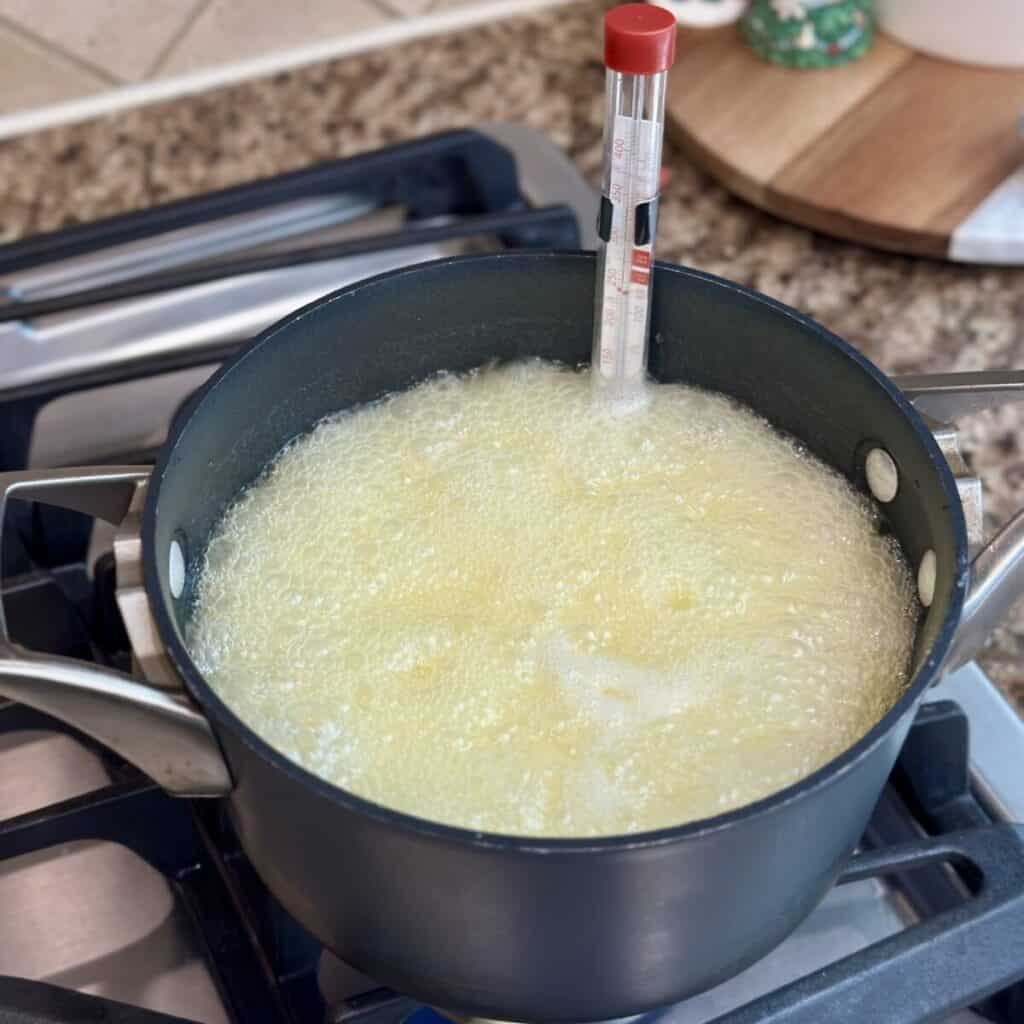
(926, 578)
(883, 476)
(176, 569)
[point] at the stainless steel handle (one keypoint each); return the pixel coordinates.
(194, 321)
(997, 572)
(205, 241)
(160, 732)
(948, 396)
(997, 582)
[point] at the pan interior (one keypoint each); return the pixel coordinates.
(387, 334)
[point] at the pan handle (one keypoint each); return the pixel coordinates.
(997, 582)
(946, 397)
(160, 732)
(997, 572)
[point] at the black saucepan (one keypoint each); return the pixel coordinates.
(521, 929)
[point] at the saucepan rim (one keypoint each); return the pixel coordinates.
(226, 719)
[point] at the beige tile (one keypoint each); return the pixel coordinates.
(31, 76)
(232, 30)
(123, 37)
(436, 6)
(414, 8)
(410, 8)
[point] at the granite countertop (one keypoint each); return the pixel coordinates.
(908, 315)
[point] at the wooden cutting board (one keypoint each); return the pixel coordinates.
(896, 150)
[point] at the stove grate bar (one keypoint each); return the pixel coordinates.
(35, 1002)
(921, 973)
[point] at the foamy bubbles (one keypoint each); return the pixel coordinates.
(491, 603)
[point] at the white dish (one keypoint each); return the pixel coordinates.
(989, 32)
(703, 13)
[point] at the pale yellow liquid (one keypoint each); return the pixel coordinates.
(491, 602)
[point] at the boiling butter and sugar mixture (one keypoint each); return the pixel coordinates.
(492, 602)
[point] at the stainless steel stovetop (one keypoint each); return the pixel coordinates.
(92, 915)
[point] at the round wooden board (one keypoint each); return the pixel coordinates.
(897, 150)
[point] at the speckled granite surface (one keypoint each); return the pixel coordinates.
(907, 315)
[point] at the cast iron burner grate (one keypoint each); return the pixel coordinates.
(265, 966)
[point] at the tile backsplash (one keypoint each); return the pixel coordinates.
(49, 57)
(124, 38)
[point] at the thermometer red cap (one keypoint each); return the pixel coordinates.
(639, 39)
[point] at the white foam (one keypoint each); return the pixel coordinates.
(490, 602)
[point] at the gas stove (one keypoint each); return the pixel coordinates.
(121, 903)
